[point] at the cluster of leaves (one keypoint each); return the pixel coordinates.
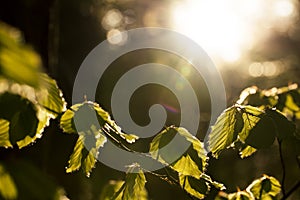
(28, 102)
(266, 187)
(258, 117)
(93, 125)
(29, 99)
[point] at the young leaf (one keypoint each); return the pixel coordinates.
(240, 195)
(66, 121)
(105, 120)
(81, 116)
(159, 141)
(8, 189)
(92, 123)
(264, 188)
(198, 187)
(21, 114)
(251, 115)
(18, 100)
(4, 133)
(86, 157)
(197, 152)
(247, 151)
(195, 187)
(262, 135)
(110, 189)
(187, 167)
(49, 96)
(193, 162)
(284, 128)
(133, 188)
(225, 130)
(18, 62)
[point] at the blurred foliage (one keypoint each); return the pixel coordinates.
(264, 188)
(13, 52)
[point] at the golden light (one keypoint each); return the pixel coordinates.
(116, 37)
(284, 8)
(226, 28)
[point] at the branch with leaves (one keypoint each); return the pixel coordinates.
(28, 103)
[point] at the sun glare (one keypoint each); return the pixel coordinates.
(226, 28)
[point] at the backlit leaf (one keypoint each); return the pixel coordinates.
(284, 128)
(22, 102)
(251, 115)
(4, 133)
(193, 162)
(50, 96)
(8, 188)
(133, 188)
(85, 152)
(81, 116)
(195, 187)
(18, 62)
(247, 151)
(21, 114)
(187, 167)
(225, 130)
(262, 135)
(110, 189)
(265, 187)
(157, 150)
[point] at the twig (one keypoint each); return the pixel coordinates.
(292, 190)
(282, 166)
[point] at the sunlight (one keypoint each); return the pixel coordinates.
(226, 28)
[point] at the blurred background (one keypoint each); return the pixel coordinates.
(252, 42)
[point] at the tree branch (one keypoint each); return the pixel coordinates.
(294, 188)
(283, 167)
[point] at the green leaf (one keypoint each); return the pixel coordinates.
(284, 128)
(88, 113)
(133, 188)
(225, 130)
(262, 135)
(110, 189)
(193, 162)
(18, 62)
(251, 115)
(264, 187)
(50, 96)
(86, 158)
(67, 119)
(157, 151)
(197, 152)
(92, 123)
(195, 187)
(21, 114)
(198, 187)
(240, 195)
(217, 185)
(17, 100)
(8, 188)
(105, 120)
(4, 133)
(247, 151)
(187, 167)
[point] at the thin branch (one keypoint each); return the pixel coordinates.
(292, 190)
(282, 166)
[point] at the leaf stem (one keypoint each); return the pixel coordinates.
(282, 166)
